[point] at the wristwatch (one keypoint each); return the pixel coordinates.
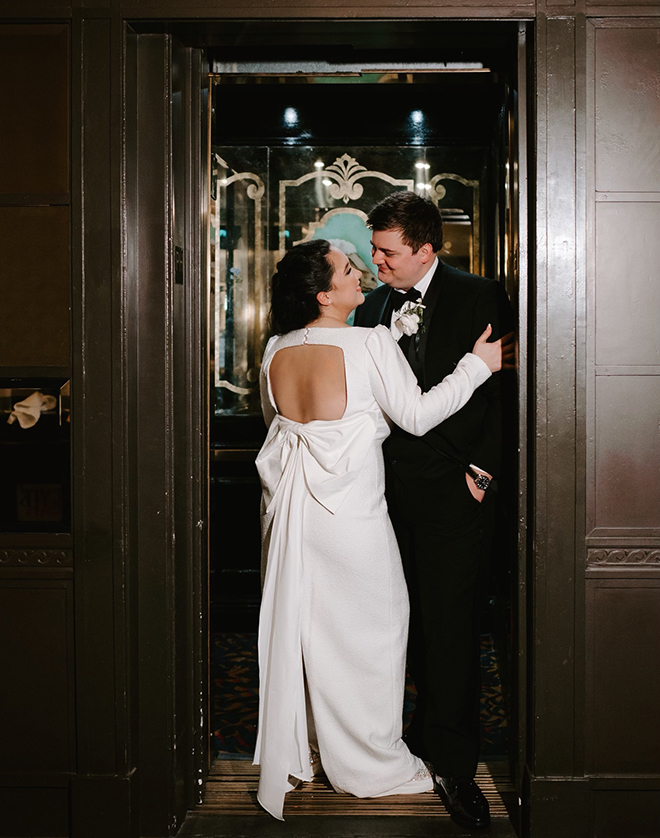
(481, 481)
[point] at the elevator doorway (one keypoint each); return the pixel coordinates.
(310, 126)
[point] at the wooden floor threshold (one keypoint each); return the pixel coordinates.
(231, 789)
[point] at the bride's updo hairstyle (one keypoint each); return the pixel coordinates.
(304, 272)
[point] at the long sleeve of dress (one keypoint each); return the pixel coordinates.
(398, 394)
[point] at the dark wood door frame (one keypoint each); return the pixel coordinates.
(165, 396)
(157, 463)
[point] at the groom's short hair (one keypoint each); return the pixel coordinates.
(418, 219)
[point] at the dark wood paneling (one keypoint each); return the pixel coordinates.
(151, 9)
(624, 295)
(101, 806)
(189, 423)
(39, 9)
(627, 70)
(627, 288)
(30, 812)
(36, 719)
(35, 276)
(554, 574)
(35, 539)
(206, 9)
(623, 814)
(627, 454)
(521, 598)
(155, 503)
(35, 372)
(95, 337)
(37, 728)
(199, 402)
(623, 584)
(645, 8)
(34, 103)
(558, 807)
(639, 7)
(623, 678)
(22, 199)
(182, 420)
(165, 369)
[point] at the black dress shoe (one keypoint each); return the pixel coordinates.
(464, 801)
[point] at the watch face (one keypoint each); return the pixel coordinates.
(482, 482)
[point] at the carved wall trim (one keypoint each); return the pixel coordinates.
(627, 556)
(344, 173)
(17, 557)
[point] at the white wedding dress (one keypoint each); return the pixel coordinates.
(335, 607)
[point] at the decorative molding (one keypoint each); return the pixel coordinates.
(255, 268)
(16, 557)
(438, 192)
(345, 173)
(618, 556)
(345, 170)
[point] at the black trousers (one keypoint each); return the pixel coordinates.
(445, 536)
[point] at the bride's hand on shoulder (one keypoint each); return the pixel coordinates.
(499, 354)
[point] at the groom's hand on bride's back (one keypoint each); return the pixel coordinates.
(500, 354)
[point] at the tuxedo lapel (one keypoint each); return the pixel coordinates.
(430, 301)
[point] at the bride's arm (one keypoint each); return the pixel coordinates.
(396, 390)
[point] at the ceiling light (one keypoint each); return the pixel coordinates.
(290, 117)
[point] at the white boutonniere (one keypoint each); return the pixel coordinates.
(409, 319)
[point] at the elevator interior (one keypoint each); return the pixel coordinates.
(310, 126)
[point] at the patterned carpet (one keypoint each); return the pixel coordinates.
(235, 697)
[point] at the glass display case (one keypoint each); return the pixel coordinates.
(35, 482)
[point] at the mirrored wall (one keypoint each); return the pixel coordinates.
(265, 200)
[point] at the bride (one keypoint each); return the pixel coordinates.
(334, 615)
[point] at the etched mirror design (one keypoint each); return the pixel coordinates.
(265, 200)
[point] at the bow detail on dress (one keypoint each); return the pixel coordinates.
(321, 459)
(329, 453)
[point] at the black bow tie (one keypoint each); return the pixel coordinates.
(399, 299)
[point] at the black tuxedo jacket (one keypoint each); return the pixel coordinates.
(459, 306)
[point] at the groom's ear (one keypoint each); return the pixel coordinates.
(426, 252)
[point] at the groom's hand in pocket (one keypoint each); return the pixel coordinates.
(475, 491)
(477, 494)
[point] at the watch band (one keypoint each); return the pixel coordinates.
(481, 481)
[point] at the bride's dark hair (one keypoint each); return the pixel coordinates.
(304, 272)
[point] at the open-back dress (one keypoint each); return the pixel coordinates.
(334, 612)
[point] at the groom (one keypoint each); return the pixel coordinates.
(438, 487)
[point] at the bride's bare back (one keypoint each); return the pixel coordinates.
(308, 382)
